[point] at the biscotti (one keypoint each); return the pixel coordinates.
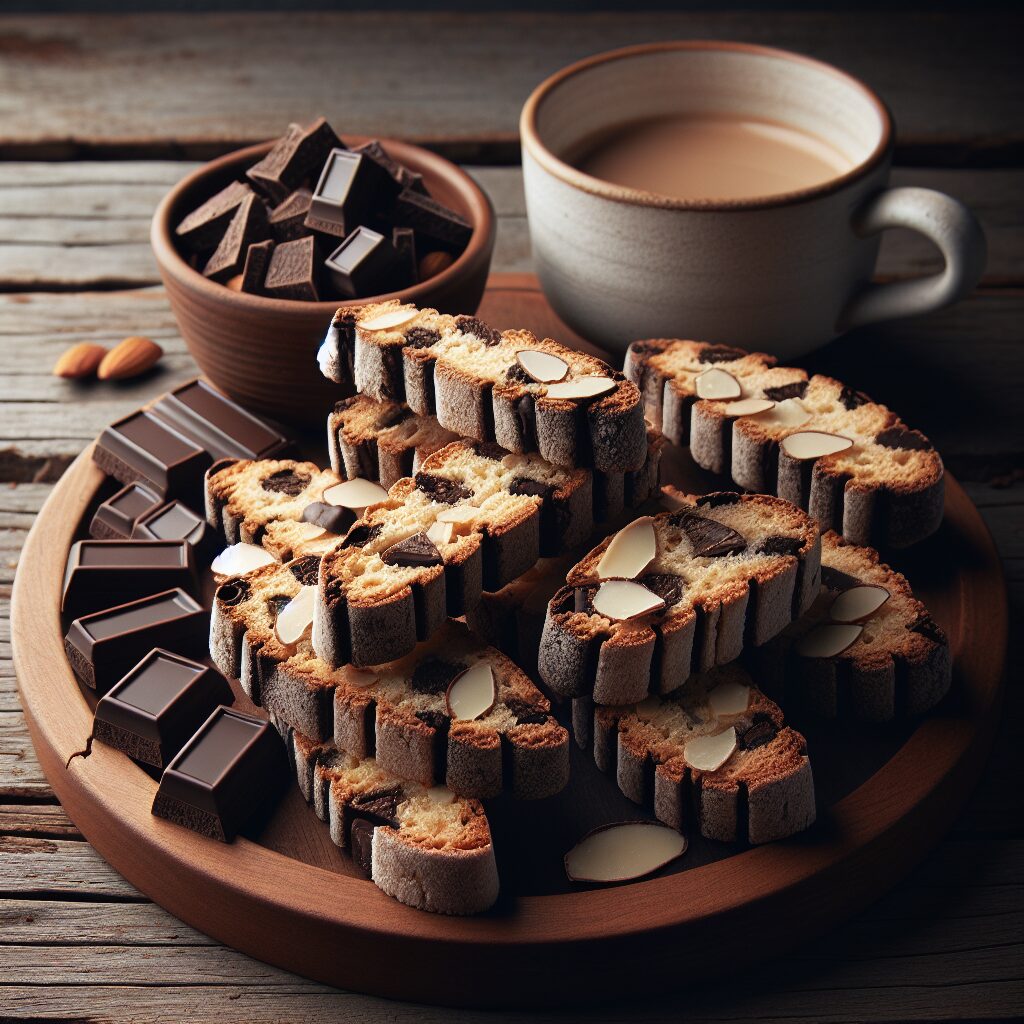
(509, 387)
(425, 847)
(716, 753)
(408, 713)
(678, 593)
(876, 655)
(852, 463)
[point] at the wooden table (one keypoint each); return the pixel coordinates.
(100, 115)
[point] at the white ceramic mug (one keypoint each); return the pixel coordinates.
(782, 273)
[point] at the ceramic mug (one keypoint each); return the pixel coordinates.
(781, 273)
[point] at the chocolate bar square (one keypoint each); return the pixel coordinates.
(351, 189)
(249, 224)
(175, 521)
(292, 271)
(295, 159)
(366, 263)
(104, 572)
(288, 218)
(233, 767)
(152, 712)
(116, 517)
(104, 645)
(204, 227)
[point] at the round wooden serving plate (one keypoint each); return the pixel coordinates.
(284, 894)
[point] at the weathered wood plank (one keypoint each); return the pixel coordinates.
(20, 774)
(211, 81)
(32, 866)
(41, 821)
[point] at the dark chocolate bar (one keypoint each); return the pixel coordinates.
(405, 178)
(175, 521)
(430, 218)
(351, 189)
(152, 712)
(147, 448)
(296, 158)
(257, 259)
(366, 263)
(249, 224)
(104, 645)
(292, 271)
(100, 573)
(232, 768)
(404, 241)
(202, 229)
(219, 425)
(288, 218)
(116, 517)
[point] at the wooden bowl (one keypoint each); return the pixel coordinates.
(262, 351)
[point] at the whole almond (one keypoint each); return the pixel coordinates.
(79, 361)
(133, 356)
(433, 263)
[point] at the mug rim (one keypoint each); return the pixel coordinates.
(557, 167)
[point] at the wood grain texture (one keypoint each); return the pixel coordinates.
(210, 82)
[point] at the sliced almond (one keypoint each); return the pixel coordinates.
(306, 532)
(440, 533)
(543, 367)
(581, 387)
(355, 493)
(749, 407)
(624, 599)
(717, 385)
(729, 698)
(360, 678)
(296, 617)
(620, 852)
(459, 514)
(814, 444)
(858, 603)
(239, 559)
(471, 693)
(828, 640)
(790, 412)
(389, 320)
(79, 361)
(709, 753)
(440, 794)
(632, 549)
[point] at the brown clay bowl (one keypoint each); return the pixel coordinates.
(261, 351)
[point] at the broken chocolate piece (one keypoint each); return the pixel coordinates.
(473, 325)
(204, 227)
(836, 579)
(404, 242)
(929, 629)
(257, 259)
(175, 521)
(288, 219)
(361, 842)
(294, 159)
(333, 518)
(351, 189)
(780, 546)
(417, 550)
(433, 676)
(710, 539)
(365, 264)
(438, 489)
(379, 807)
(292, 271)
(233, 592)
(306, 570)
(285, 481)
(718, 498)
(534, 488)
(116, 517)
(515, 374)
(525, 714)
(851, 398)
(783, 392)
(666, 585)
(721, 354)
(763, 731)
(248, 225)
(360, 534)
(902, 437)
(406, 178)
(421, 337)
(430, 218)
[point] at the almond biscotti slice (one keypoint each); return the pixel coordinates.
(425, 847)
(525, 393)
(717, 750)
(426, 717)
(851, 462)
(678, 593)
(866, 650)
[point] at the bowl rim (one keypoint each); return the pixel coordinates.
(171, 262)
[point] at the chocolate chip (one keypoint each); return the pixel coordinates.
(306, 570)
(852, 399)
(720, 354)
(718, 498)
(360, 535)
(526, 412)
(490, 450)
(710, 539)
(763, 731)
(780, 546)
(929, 629)
(583, 598)
(525, 714)
(276, 602)
(471, 325)
(785, 391)
(432, 675)
(286, 481)
(901, 437)
(534, 488)
(439, 489)
(379, 807)
(421, 337)
(417, 550)
(666, 585)
(515, 374)
(361, 841)
(332, 518)
(437, 720)
(564, 600)
(836, 579)
(233, 592)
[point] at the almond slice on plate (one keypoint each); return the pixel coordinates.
(749, 407)
(239, 559)
(717, 385)
(828, 640)
(858, 603)
(729, 698)
(296, 617)
(624, 599)
(632, 549)
(355, 493)
(622, 851)
(388, 321)
(543, 367)
(471, 693)
(709, 753)
(814, 444)
(581, 387)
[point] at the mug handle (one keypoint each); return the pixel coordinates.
(943, 220)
